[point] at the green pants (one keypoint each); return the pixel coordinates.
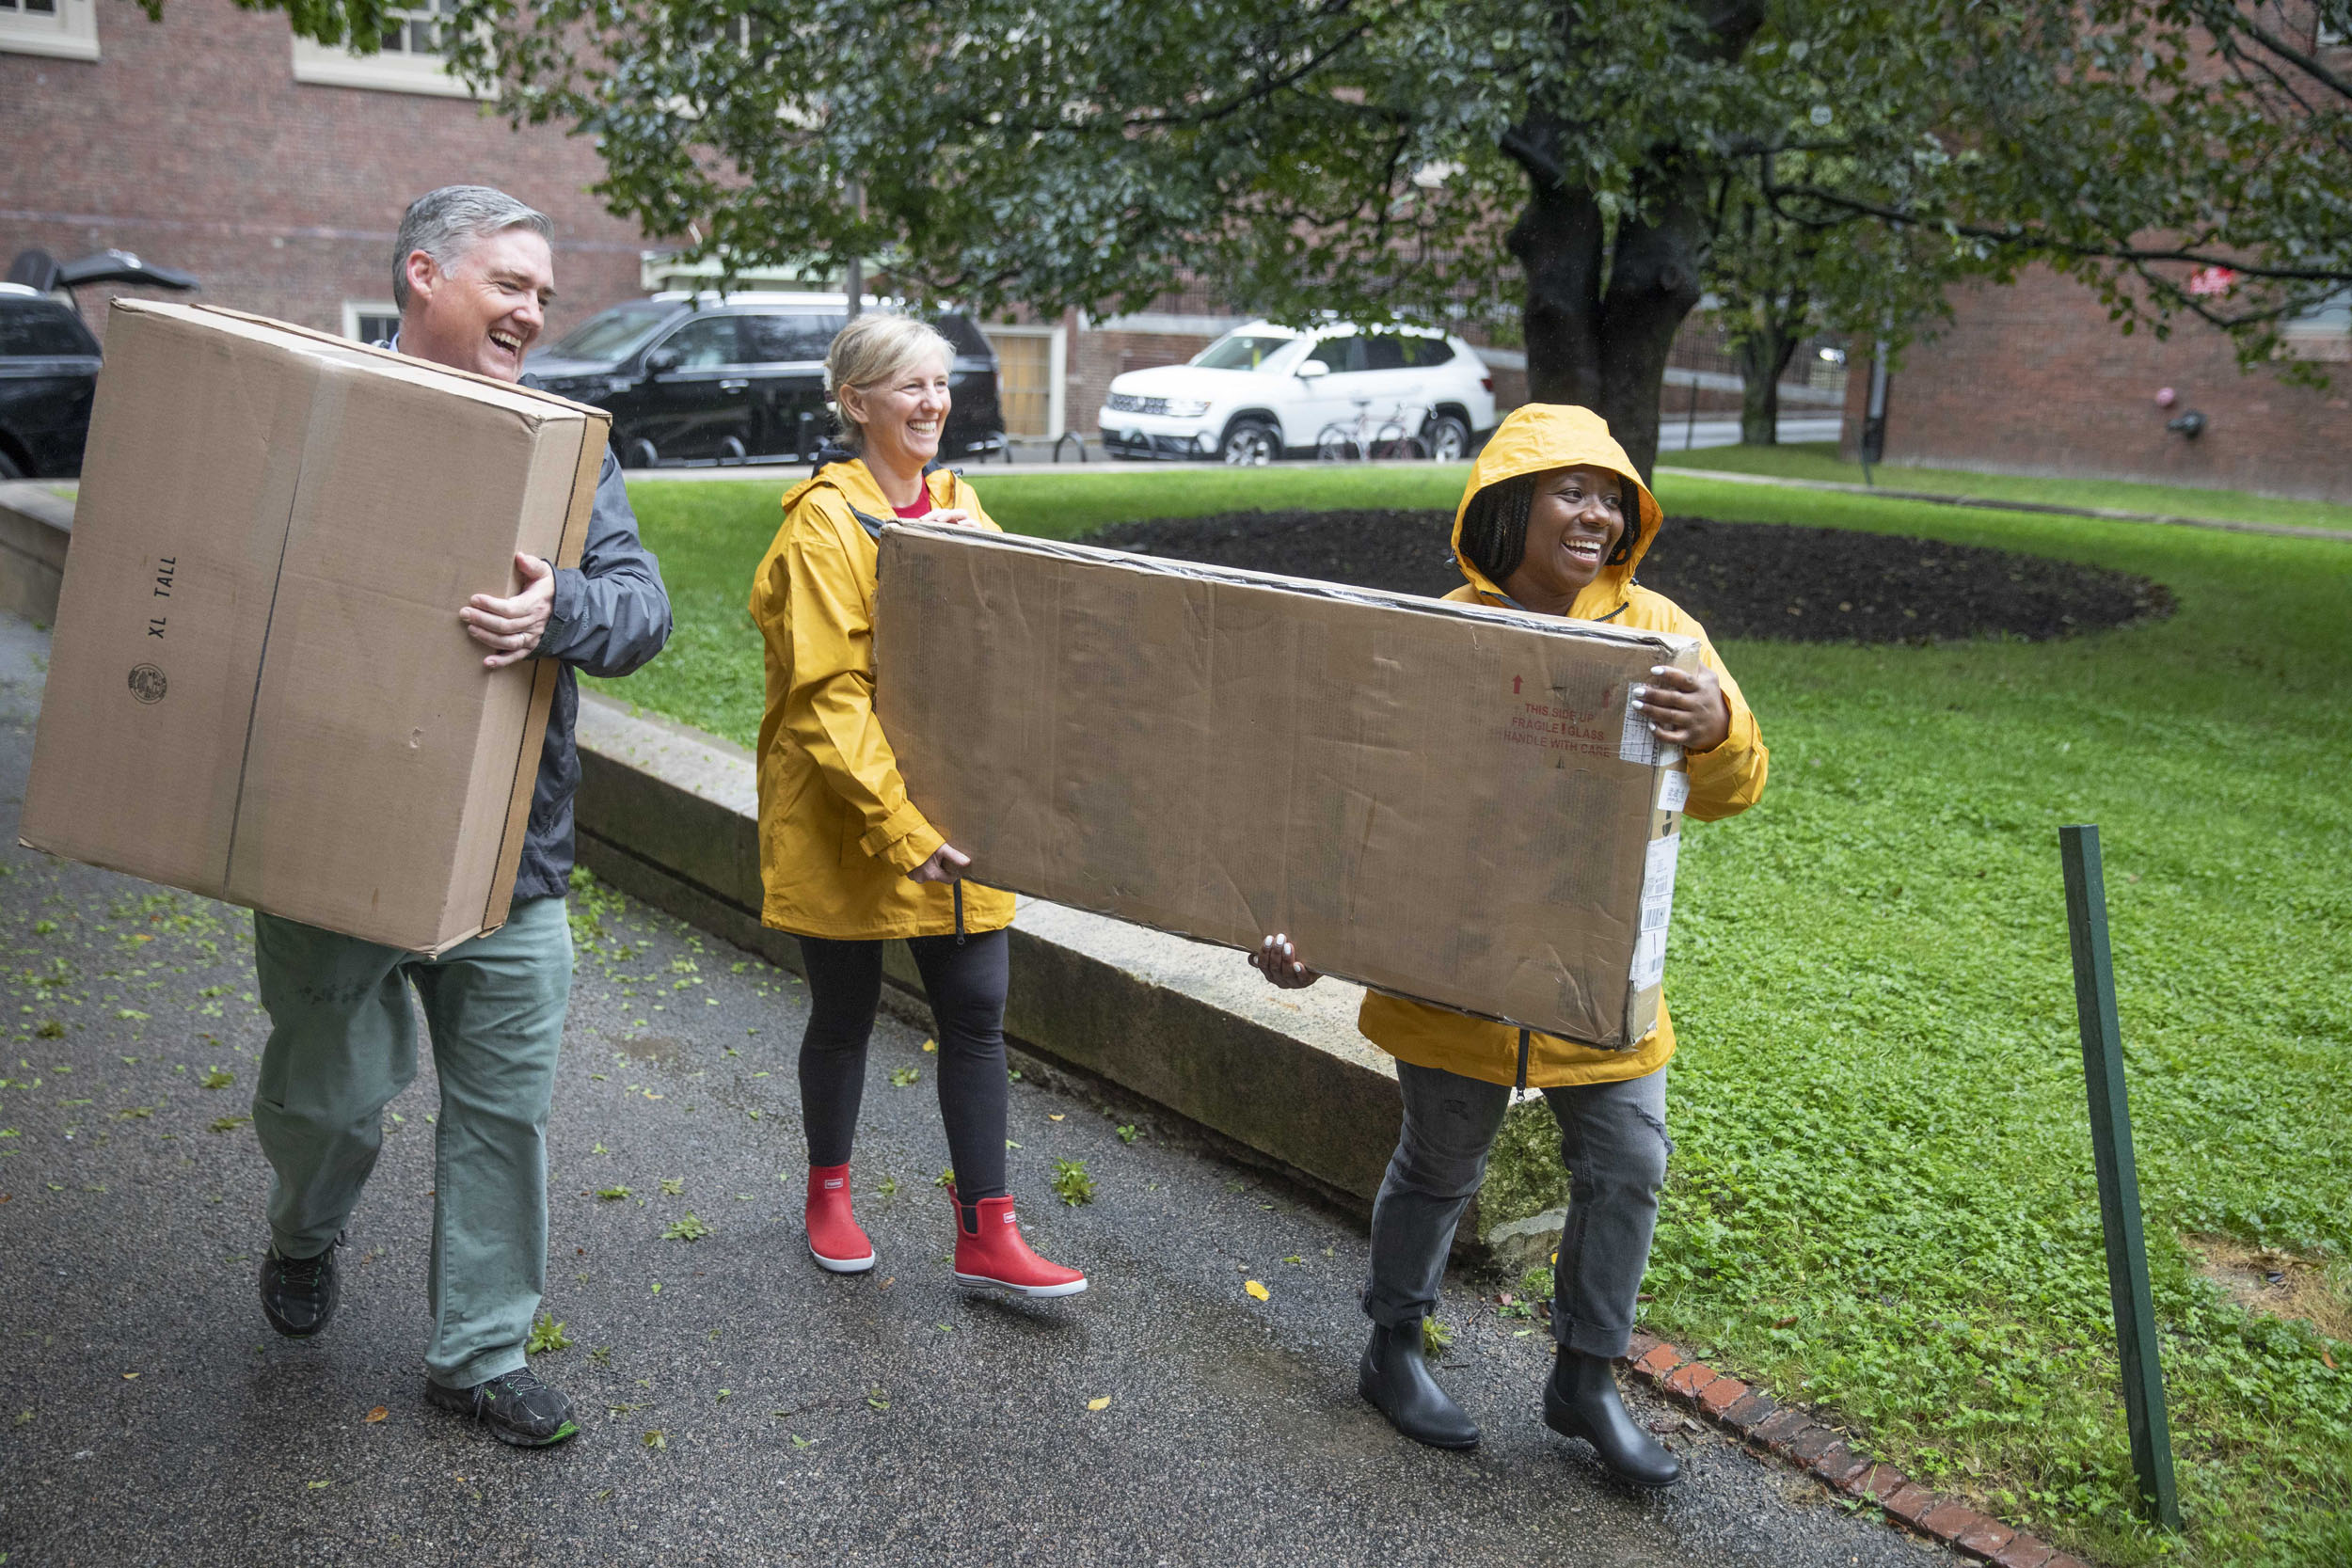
(343, 1043)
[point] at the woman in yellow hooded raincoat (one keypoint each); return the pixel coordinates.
(1554, 520)
(847, 861)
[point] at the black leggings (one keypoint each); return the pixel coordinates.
(964, 978)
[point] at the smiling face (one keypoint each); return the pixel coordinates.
(483, 311)
(1575, 521)
(901, 417)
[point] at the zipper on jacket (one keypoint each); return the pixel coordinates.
(957, 886)
(1521, 1087)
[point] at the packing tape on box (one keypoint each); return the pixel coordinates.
(1658, 899)
(1637, 743)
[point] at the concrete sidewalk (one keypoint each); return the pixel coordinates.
(742, 1406)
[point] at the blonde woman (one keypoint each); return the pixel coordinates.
(847, 862)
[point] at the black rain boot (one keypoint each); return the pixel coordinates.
(1396, 1380)
(1581, 1401)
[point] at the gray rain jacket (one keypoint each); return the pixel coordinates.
(612, 616)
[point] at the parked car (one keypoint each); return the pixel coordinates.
(741, 377)
(48, 373)
(49, 361)
(1264, 391)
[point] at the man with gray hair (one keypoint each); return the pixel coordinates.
(472, 272)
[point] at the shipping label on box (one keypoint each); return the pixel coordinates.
(1441, 800)
(259, 687)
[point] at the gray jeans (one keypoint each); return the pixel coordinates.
(1612, 1138)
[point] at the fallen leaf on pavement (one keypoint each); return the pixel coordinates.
(1259, 1290)
(1102, 1404)
(376, 1415)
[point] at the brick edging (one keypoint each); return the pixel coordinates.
(1789, 1434)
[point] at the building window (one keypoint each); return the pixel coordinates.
(1031, 388)
(412, 57)
(65, 29)
(2323, 331)
(370, 321)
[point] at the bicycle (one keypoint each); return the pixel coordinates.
(1397, 438)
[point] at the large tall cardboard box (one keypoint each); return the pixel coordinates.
(259, 689)
(1439, 799)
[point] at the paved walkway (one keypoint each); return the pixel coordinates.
(742, 1406)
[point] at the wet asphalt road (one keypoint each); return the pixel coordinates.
(741, 1406)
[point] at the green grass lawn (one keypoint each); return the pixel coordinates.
(1818, 460)
(1881, 1199)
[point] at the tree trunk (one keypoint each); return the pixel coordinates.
(1606, 348)
(1764, 355)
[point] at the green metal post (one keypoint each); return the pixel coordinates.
(2118, 1181)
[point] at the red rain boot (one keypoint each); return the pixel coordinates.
(996, 1256)
(834, 1237)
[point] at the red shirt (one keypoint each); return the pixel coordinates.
(922, 506)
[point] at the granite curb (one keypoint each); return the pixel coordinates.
(1821, 1451)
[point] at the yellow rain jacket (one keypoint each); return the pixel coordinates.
(838, 835)
(1724, 781)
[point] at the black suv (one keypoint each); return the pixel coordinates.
(739, 378)
(48, 372)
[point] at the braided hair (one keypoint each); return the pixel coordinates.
(1494, 525)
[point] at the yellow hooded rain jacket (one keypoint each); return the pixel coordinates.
(1724, 781)
(838, 835)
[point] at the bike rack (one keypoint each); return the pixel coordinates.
(1069, 435)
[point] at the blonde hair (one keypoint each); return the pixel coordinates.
(873, 349)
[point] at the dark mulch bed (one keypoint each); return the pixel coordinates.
(1739, 579)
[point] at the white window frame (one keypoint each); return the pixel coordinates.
(355, 308)
(328, 65)
(1056, 369)
(70, 34)
(2322, 332)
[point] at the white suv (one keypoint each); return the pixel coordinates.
(1262, 392)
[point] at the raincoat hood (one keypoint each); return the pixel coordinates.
(1537, 436)
(845, 474)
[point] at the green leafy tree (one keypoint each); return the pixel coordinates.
(1775, 283)
(2183, 157)
(1549, 168)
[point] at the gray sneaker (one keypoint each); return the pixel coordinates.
(299, 1295)
(515, 1406)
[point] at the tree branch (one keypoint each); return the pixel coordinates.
(2222, 19)
(1266, 87)
(2018, 237)
(1540, 165)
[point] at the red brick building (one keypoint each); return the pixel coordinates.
(2034, 379)
(274, 172)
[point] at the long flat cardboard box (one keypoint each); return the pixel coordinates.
(259, 687)
(1439, 799)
